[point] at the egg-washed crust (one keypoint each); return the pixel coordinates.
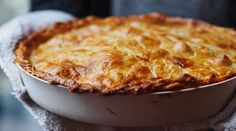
(131, 85)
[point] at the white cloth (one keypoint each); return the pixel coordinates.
(21, 26)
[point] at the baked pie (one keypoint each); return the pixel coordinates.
(130, 55)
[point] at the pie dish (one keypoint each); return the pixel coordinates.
(182, 69)
(130, 55)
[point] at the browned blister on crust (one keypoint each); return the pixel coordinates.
(129, 55)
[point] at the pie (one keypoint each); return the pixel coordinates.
(130, 55)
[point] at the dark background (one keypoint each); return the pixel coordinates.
(220, 12)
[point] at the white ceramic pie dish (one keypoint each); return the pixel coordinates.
(152, 109)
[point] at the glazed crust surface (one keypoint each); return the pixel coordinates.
(130, 55)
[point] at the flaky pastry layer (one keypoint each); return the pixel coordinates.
(130, 55)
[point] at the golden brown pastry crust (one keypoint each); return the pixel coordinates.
(181, 56)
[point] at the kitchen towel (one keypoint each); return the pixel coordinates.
(13, 31)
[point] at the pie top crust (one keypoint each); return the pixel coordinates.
(130, 55)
